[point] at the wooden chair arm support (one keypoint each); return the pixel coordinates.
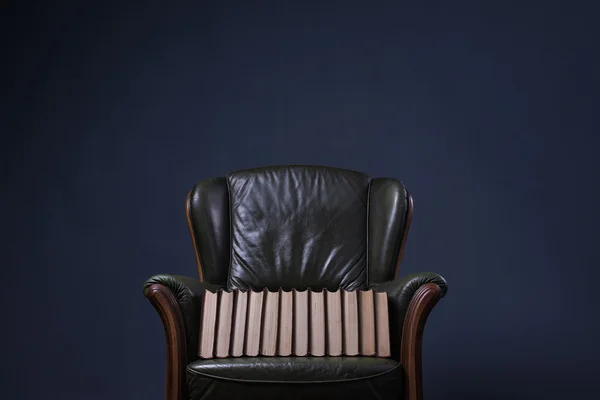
(411, 347)
(166, 305)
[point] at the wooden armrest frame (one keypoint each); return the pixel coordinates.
(167, 307)
(411, 347)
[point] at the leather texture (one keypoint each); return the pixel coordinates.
(388, 209)
(400, 292)
(189, 293)
(295, 378)
(208, 207)
(298, 227)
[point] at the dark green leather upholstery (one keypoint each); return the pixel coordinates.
(295, 378)
(298, 226)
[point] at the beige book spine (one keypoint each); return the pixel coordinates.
(334, 322)
(300, 322)
(286, 322)
(382, 324)
(351, 331)
(239, 323)
(225, 314)
(208, 324)
(317, 323)
(270, 324)
(253, 329)
(366, 322)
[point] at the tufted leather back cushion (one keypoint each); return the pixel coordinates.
(297, 227)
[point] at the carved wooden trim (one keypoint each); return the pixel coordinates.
(193, 234)
(167, 307)
(409, 215)
(411, 348)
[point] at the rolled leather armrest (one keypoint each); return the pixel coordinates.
(400, 293)
(187, 294)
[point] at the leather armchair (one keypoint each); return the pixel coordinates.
(296, 227)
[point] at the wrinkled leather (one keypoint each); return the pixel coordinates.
(388, 208)
(298, 201)
(209, 216)
(298, 227)
(295, 378)
(293, 369)
(400, 293)
(189, 293)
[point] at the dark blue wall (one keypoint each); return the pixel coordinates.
(111, 113)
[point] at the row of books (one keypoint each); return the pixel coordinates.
(299, 323)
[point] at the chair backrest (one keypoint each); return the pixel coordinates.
(298, 226)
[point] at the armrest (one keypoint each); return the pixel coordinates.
(401, 292)
(187, 294)
(410, 301)
(178, 301)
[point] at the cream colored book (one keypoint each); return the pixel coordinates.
(333, 301)
(286, 323)
(206, 345)
(253, 328)
(224, 318)
(270, 323)
(350, 310)
(300, 322)
(317, 323)
(239, 323)
(382, 324)
(366, 319)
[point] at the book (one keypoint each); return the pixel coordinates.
(300, 322)
(253, 327)
(270, 324)
(350, 330)
(382, 324)
(317, 323)
(333, 301)
(286, 323)
(366, 319)
(225, 314)
(238, 339)
(207, 324)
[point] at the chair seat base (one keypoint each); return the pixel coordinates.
(295, 378)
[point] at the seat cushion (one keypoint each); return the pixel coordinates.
(295, 378)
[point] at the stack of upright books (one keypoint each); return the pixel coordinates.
(294, 323)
